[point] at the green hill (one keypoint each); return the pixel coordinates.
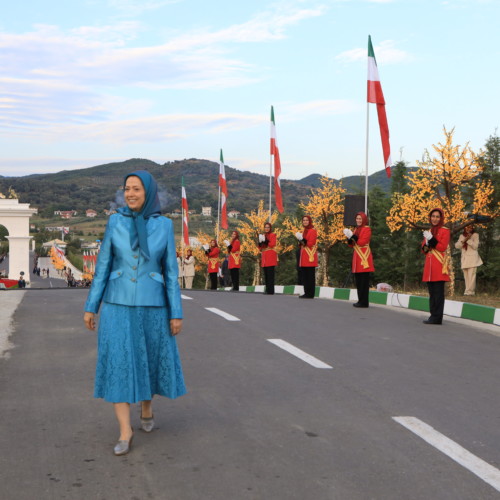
(99, 187)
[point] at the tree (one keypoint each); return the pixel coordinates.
(325, 206)
(450, 180)
(490, 160)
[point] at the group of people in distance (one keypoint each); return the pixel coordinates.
(434, 246)
(137, 291)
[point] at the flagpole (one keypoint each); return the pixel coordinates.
(218, 204)
(270, 184)
(183, 214)
(366, 159)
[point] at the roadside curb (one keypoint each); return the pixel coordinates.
(464, 310)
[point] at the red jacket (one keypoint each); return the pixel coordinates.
(269, 255)
(362, 246)
(436, 264)
(309, 252)
(234, 255)
(213, 260)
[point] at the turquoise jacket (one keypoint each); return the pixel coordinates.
(123, 276)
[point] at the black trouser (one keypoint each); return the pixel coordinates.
(436, 300)
(363, 287)
(213, 281)
(308, 280)
(235, 278)
(269, 279)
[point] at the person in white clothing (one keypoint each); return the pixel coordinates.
(468, 242)
(189, 262)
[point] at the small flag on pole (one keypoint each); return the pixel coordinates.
(375, 95)
(223, 192)
(185, 209)
(277, 165)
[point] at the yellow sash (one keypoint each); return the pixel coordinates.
(236, 257)
(212, 262)
(310, 252)
(363, 256)
(443, 259)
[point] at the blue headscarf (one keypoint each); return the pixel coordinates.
(151, 207)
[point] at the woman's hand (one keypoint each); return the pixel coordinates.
(89, 320)
(175, 326)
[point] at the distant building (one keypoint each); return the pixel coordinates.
(234, 214)
(66, 214)
(207, 211)
(90, 213)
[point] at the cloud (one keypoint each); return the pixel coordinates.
(385, 53)
(78, 76)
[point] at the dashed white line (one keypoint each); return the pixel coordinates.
(225, 315)
(295, 351)
(185, 297)
(479, 467)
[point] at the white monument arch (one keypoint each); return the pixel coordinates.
(15, 217)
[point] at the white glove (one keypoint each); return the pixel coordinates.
(205, 247)
(348, 233)
(427, 236)
(299, 236)
(262, 238)
(226, 242)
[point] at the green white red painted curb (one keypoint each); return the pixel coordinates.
(453, 308)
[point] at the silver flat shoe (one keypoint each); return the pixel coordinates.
(123, 447)
(147, 424)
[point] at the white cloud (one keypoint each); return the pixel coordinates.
(385, 53)
(74, 77)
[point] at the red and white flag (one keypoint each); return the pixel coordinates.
(275, 152)
(185, 228)
(223, 193)
(375, 95)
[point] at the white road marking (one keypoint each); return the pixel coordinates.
(480, 468)
(295, 351)
(185, 297)
(225, 315)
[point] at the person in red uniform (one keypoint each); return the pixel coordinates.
(233, 249)
(212, 253)
(269, 259)
(308, 257)
(436, 267)
(362, 258)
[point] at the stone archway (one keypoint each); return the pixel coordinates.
(15, 217)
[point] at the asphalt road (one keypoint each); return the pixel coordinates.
(258, 422)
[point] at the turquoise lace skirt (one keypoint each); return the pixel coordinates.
(136, 355)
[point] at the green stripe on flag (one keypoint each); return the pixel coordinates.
(371, 53)
(479, 313)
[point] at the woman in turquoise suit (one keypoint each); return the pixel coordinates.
(136, 281)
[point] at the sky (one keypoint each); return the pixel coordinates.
(97, 81)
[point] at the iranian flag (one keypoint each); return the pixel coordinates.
(375, 95)
(223, 192)
(185, 209)
(275, 152)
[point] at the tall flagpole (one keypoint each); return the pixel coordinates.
(366, 160)
(218, 205)
(182, 235)
(270, 184)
